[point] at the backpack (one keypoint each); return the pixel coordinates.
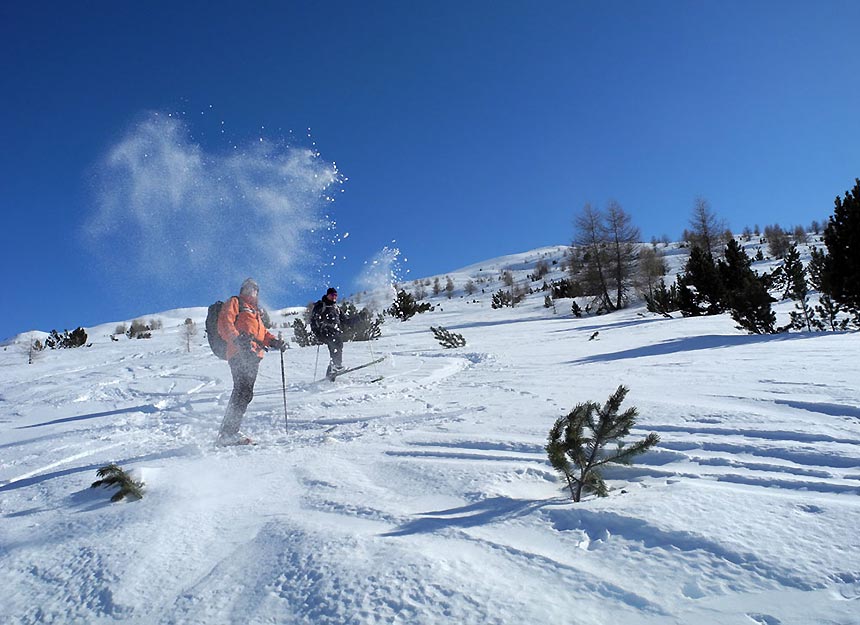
(216, 341)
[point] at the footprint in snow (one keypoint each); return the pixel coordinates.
(764, 619)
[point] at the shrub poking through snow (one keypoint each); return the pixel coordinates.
(111, 476)
(66, 340)
(139, 330)
(447, 339)
(576, 443)
(502, 299)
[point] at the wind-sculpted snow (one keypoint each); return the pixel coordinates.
(418, 490)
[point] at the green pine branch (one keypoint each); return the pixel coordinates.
(113, 476)
(576, 443)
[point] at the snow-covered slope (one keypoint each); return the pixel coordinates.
(426, 497)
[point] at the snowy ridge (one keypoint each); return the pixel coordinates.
(427, 497)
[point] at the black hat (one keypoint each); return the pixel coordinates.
(331, 291)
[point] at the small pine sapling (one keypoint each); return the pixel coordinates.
(448, 340)
(113, 475)
(502, 299)
(576, 443)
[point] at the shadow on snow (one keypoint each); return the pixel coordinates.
(690, 344)
(478, 513)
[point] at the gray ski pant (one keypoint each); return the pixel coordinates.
(244, 367)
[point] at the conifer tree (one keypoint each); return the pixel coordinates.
(113, 475)
(502, 299)
(448, 340)
(405, 307)
(842, 238)
(745, 292)
(797, 289)
(66, 340)
(363, 326)
(302, 335)
(576, 445)
(662, 300)
(827, 315)
(700, 289)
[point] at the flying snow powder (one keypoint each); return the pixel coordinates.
(179, 215)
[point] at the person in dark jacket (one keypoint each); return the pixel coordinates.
(240, 324)
(327, 323)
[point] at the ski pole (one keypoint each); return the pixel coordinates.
(317, 362)
(284, 387)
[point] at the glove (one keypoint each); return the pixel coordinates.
(278, 344)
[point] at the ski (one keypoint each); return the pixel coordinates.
(334, 376)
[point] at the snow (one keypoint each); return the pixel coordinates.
(427, 497)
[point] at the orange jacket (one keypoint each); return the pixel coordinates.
(240, 315)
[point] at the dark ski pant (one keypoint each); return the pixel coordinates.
(335, 350)
(244, 367)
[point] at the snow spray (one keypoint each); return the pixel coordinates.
(378, 280)
(174, 215)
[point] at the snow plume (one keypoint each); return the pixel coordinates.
(379, 278)
(183, 217)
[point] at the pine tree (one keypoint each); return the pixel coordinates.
(362, 326)
(827, 315)
(745, 292)
(662, 300)
(66, 340)
(576, 443)
(502, 299)
(797, 289)
(405, 307)
(448, 340)
(113, 475)
(842, 238)
(302, 334)
(700, 289)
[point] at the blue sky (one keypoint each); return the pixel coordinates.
(464, 130)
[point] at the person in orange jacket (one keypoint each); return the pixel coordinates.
(240, 324)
